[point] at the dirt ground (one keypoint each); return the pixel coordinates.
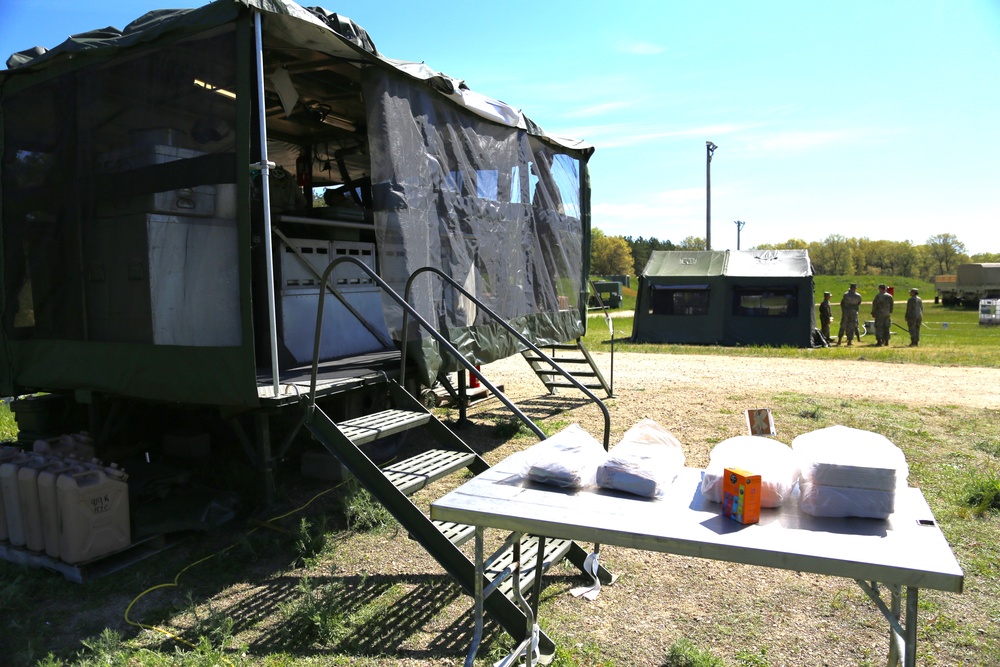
(792, 618)
(745, 615)
(688, 393)
(710, 375)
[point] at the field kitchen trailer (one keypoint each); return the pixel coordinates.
(231, 224)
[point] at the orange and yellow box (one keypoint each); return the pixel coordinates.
(741, 495)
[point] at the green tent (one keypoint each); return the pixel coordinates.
(726, 298)
(171, 192)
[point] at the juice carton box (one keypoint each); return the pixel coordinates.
(741, 495)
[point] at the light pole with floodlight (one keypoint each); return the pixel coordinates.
(739, 228)
(710, 148)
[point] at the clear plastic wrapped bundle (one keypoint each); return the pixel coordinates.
(774, 461)
(644, 462)
(849, 472)
(568, 459)
(843, 501)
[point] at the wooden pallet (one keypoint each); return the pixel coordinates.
(95, 568)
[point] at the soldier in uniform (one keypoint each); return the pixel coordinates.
(914, 316)
(882, 312)
(825, 317)
(850, 304)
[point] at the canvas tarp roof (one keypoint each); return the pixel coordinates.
(310, 27)
(775, 263)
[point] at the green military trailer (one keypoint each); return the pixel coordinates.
(172, 193)
(228, 225)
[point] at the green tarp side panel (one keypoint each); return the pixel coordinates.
(706, 328)
(793, 331)
(196, 375)
(124, 301)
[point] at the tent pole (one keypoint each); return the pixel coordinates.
(265, 169)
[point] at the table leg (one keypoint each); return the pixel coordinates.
(539, 568)
(477, 635)
(902, 638)
(911, 627)
(895, 609)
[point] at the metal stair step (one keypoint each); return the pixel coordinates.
(555, 550)
(457, 533)
(415, 473)
(381, 424)
(559, 360)
(567, 385)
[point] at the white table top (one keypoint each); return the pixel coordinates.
(907, 549)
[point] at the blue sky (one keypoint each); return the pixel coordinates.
(865, 119)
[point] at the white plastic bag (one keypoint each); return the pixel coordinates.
(568, 459)
(772, 460)
(849, 472)
(849, 457)
(841, 501)
(645, 462)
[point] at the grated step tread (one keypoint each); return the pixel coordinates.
(567, 385)
(457, 533)
(415, 473)
(555, 550)
(559, 360)
(377, 425)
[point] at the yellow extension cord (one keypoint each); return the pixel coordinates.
(175, 583)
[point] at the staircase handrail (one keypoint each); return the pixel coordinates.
(435, 334)
(518, 335)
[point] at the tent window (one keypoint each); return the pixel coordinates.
(678, 300)
(765, 302)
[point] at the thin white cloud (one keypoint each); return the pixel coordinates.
(783, 142)
(597, 109)
(620, 135)
(642, 49)
(659, 208)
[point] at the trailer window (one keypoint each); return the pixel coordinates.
(486, 184)
(119, 200)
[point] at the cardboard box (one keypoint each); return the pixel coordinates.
(741, 492)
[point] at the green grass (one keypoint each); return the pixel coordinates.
(343, 618)
(8, 427)
(982, 492)
(683, 653)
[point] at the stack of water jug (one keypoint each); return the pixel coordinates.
(61, 501)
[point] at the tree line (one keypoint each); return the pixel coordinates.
(836, 255)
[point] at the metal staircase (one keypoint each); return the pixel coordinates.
(576, 359)
(394, 484)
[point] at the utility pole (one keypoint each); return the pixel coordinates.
(710, 148)
(739, 228)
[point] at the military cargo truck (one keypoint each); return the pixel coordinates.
(969, 284)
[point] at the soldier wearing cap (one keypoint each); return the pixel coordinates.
(825, 317)
(850, 304)
(914, 316)
(882, 314)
